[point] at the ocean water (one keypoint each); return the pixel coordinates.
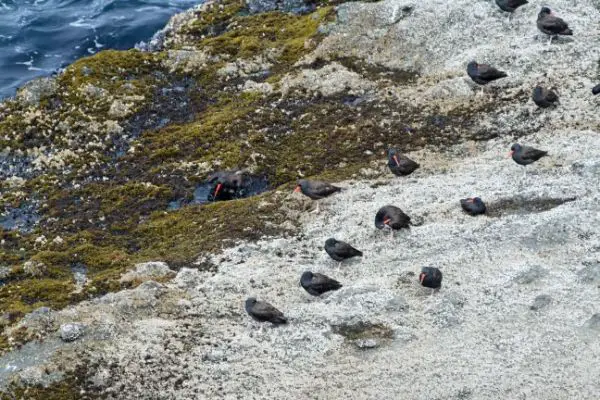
(37, 37)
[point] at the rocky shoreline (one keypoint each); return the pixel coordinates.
(107, 291)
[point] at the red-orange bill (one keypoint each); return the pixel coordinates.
(297, 189)
(396, 159)
(387, 221)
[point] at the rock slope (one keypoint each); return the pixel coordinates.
(323, 94)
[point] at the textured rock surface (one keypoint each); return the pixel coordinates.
(517, 316)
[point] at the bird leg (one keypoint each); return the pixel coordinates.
(550, 41)
(391, 237)
(339, 266)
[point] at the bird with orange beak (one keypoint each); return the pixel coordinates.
(431, 277)
(400, 165)
(316, 190)
(525, 155)
(473, 206)
(393, 218)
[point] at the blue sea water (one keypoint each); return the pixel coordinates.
(39, 36)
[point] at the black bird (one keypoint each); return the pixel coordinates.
(317, 284)
(483, 74)
(473, 206)
(340, 251)
(392, 217)
(596, 89)
(510, 5)
(525, 155)
(543, 97)
(400, 165)
(431, 277)
(226, 185)
(552, 25)
(316, 190)
(264, 312)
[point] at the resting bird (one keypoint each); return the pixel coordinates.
(552, 25)
(596, 89)
(316, 190)
(473, 206)
(264, 312)
(400, 165)
(391, 217)
(482, 74)
(225, 185)
(340, 251)
(543, 97)
(317, 284)
(431, 277)
(525, 155)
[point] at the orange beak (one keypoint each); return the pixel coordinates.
(422, 277)
(298, 189)
(387, 221)
(218, 189)
(510, 153)
(470, 200)
(396, 159)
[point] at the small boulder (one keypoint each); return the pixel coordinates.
(71, 331)
(154, 270)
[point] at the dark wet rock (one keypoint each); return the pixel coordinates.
(590, 273)
(541, 301)
(71, 331)
(364, 332)
(593, 322)
(530, 275)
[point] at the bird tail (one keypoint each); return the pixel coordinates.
(280, 320)
(567, 31)
(359, 253)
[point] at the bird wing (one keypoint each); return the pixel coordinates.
(488, 72)
(322, 189)
(345, 250)
(516, 3)
(553, 24)
(265, 310)
(532, 153)
(323, 283)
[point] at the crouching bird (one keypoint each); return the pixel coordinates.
(473, 206)
(393, 218)
(340, 251)
(264, 312)
(316, 284)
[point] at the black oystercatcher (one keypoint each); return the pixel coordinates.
(316, 190)
(226, 185)
(525, 155)
(552, 25)
(483, 74)
(510, 5)
(317, 284)
(391, 217)
(400, 165)
(431, 277)
(473, 206)
(596, 89)
(340, 251)
(264, 312)
(543, 97)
